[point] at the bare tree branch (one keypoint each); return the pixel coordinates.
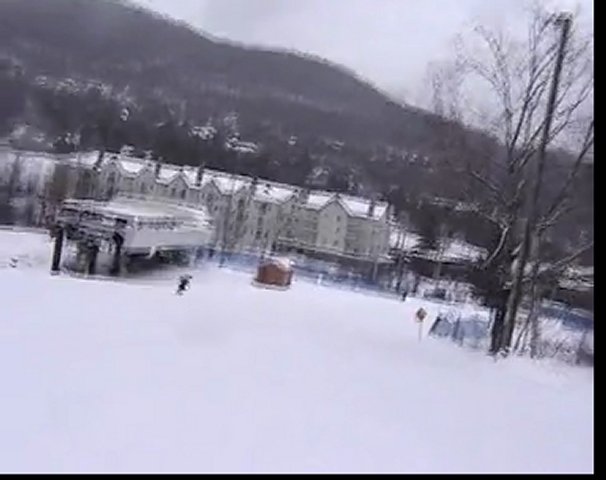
(494, 189)
(491, 217)
(499, 248)
(552, 212)
(553, 219)
(564, 262)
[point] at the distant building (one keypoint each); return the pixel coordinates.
(250, 214)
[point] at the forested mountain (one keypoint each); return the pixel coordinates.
(100, 74)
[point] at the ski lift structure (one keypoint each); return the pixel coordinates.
(127, 227)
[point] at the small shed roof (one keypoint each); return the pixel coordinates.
(283, 263)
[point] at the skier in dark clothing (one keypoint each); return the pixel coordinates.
(183, 284)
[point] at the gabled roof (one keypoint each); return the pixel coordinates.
(266, 191)
(274, 192)
(353, 206)
(360, 207)
(318, 200)
(226, 183)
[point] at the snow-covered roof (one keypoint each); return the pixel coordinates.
(167, 173)
(88, 159)
(266, 191)
(580, 271)
(318, 200)
(354, 206)
(577, 277)
(190, 174)
(360, 207)
(284, 263)
(31, 163)
(403, 240)
(142, 209)
(132, 166)
(273, 192)
(34, 161)
(148, 224)
(226, 183)
(450, 250)
(241, 146)
(205, 132)
(459, 250)
(579, 284)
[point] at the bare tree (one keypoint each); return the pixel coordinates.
(528, 112)
(8, 192)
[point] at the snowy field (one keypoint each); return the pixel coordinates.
(26, 247)
(125, 376)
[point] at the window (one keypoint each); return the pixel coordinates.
(183, 192)
(173, 192)
(338, 218)
(335, 243)
(263, 208)
(143, 188)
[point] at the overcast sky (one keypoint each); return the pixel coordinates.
(389, 42)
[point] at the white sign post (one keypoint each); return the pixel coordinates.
(419, 317)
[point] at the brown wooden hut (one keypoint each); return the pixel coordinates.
(274, 272)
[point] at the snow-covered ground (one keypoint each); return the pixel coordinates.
(27, 247)
(127, 376)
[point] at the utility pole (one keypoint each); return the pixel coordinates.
(226, 222)
(564, 21)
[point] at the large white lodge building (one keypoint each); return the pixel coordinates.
(250, 215)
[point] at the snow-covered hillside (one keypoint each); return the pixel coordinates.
(127, 376)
